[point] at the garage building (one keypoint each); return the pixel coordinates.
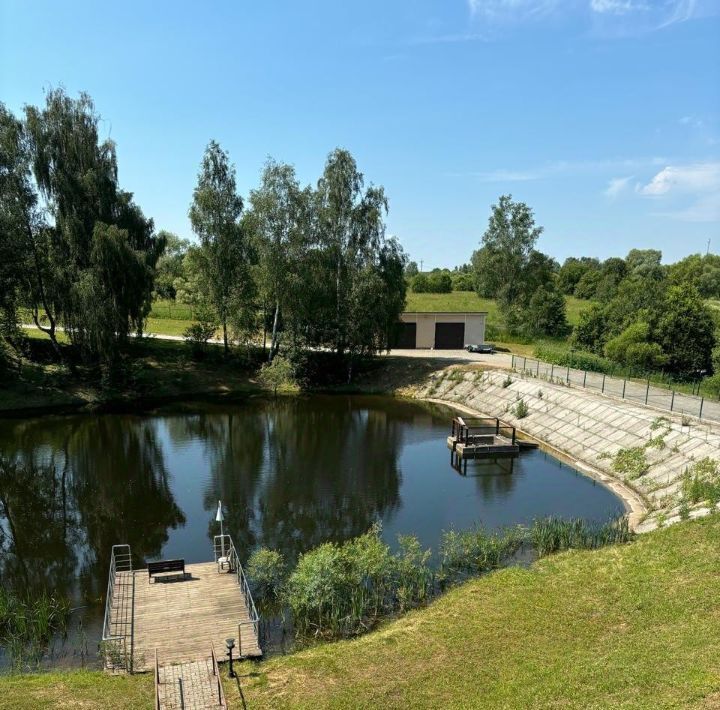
(440, 331)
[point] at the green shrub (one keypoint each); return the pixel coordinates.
(702, 482)
(577, 359)
(632, 462)
(278, 373)
(267, 574)
(521, 410)
(507, 382)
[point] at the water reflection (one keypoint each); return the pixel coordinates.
(292, 473)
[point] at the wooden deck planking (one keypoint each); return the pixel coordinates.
(182, 617)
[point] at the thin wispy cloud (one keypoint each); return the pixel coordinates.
(452, 38)
(617, 186)
(562, 168)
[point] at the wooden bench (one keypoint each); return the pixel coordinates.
(164, 566)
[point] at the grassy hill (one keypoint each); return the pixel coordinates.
(632, 626)
(469, 301)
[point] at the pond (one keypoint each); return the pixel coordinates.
(292, 473)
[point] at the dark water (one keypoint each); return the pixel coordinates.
(291, 473)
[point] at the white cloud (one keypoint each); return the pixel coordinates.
(617, 185)
(698, 177)
(692, 190)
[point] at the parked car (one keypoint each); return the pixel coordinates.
(487, 348)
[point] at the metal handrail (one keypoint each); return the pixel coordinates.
(120, 561)
(216, 673)
(157, 682)
(224, 543)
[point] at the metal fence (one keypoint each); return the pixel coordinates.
(643, 392)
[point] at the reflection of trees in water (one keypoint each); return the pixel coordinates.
(293, 472)
(93, 482)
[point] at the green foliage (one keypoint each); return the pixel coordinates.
(630, 463)
(701, 482)
(225, 252)
(521, 409)
(568, 357)
(546, 314)
(712, 384)
(198, 334)
(554, 534)
(507, 382)
(632, 349)
(267, 572)
(502, 265)
(278, 373)
(434, 282)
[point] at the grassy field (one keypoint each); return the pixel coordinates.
(634, 626)
(469, 301)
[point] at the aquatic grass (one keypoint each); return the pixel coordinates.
(28, 624)
(268, 574)
(549, 535)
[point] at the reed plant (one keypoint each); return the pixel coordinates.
(552, 534)
(28, 624)
(471, 552)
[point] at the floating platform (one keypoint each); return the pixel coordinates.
(180, 617)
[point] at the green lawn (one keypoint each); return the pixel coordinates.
(630, 626)
(634, 626)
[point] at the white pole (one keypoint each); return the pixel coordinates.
(219, 518)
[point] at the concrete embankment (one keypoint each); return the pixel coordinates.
(590, 430)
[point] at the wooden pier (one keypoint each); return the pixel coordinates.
(179, 616)
(479, 438)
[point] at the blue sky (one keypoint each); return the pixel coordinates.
(603, 115)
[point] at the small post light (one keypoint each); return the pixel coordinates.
(230, 643)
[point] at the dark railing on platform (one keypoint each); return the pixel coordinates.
(465, 429)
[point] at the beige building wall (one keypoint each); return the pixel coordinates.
(425, 336)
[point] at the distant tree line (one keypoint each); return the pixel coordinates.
(310, 267)
(641, 314)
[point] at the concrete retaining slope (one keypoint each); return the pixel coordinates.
(590, 429)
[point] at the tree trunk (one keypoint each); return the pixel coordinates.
(43, 298)
(264, 329)
(274, 339)
(225, 338)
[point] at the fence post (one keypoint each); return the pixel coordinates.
(647, 391)
(672, 401)
(537, 369)
(702, 401)
(602, 389)
(512, 362)
(524, 363)
(624, 385)
(552, 371)
(584, 379)
(568, 375)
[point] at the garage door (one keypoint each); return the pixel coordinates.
(405, 336)
(449, 336)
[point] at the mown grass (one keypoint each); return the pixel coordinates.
(76, 689)
(626, 626)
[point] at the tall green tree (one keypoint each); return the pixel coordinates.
(99, 255)
(279, 208)
(224, 245)
(507, 249)
(351, 231)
